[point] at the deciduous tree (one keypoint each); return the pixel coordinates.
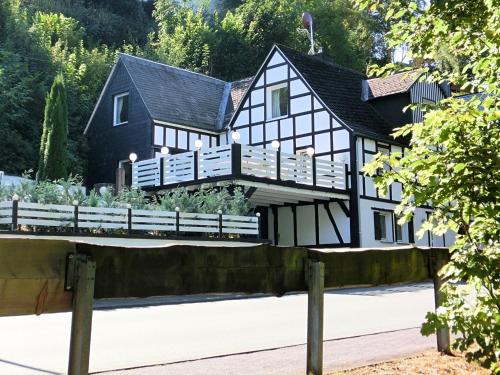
(453, 160)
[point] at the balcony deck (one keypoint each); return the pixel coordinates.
(268, 176)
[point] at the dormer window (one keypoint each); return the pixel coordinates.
(120, 115)
(277, 101)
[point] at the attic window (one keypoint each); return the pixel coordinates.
(120, 112)
(277, 99)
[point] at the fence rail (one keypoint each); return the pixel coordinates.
(18, 214)
(146, 173)
(215, 161)
(297, 168)
(239, 160)
(178, 168)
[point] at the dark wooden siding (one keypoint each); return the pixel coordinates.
(391, 108)
(107, 143)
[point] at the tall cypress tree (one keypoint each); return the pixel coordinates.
(54, 141)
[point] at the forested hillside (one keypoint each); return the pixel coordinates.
(81, 39)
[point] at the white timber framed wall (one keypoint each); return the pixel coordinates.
(373, 206)
(179, 139)
(306, 123)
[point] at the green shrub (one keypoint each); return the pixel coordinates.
(70, 190)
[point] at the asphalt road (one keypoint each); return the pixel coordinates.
(338, 354)
(181, 329)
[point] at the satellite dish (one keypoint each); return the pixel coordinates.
(307, 20)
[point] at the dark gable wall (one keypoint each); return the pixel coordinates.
(391, 108)
(108, 144)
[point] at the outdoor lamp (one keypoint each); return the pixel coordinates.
(198, 143)
(132, 157)
(15, 197)
(235, 136)
(310, 151)
(164, 150)
(275, 144)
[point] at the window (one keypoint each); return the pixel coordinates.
(381, 224)
(120, 115)
(182, 139)
(170, 137)
(399, 233)
(278, 100)
(158, 138)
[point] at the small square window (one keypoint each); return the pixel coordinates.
(120, 113)
(278, 100)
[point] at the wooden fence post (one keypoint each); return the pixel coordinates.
(316, 282)
(196, 163)
(177, 221)
(278, 165)
(313, 167)
(236, 160)
(75, 216)
(259, 225)
(81, 321)
(129, 219)
(442, 334)
(219, 212)
(15, 208)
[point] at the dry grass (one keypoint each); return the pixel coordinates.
(427, 363)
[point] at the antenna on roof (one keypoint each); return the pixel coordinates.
(307, 22)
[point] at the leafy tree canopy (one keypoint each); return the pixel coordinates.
(81, 39)
(216, 44)
(453, 159)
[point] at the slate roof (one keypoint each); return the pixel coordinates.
(390, 85)
(340, 89)
(178, 96)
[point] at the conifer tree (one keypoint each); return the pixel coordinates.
(54, 141)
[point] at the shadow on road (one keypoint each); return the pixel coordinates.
(30, 367)
(113, 304)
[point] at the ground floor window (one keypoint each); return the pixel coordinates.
(387, 229)
(402, 232)
(382, 223)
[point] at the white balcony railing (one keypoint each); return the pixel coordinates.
(236, 161)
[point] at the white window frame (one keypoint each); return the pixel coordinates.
(404, 232)
(389, 230)
(115, 105)
(269, 101)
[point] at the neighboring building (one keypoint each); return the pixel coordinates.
(307, 103)
(10, 180)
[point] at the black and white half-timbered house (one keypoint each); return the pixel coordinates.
(294, 137)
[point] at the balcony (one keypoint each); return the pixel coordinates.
(248, 166)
